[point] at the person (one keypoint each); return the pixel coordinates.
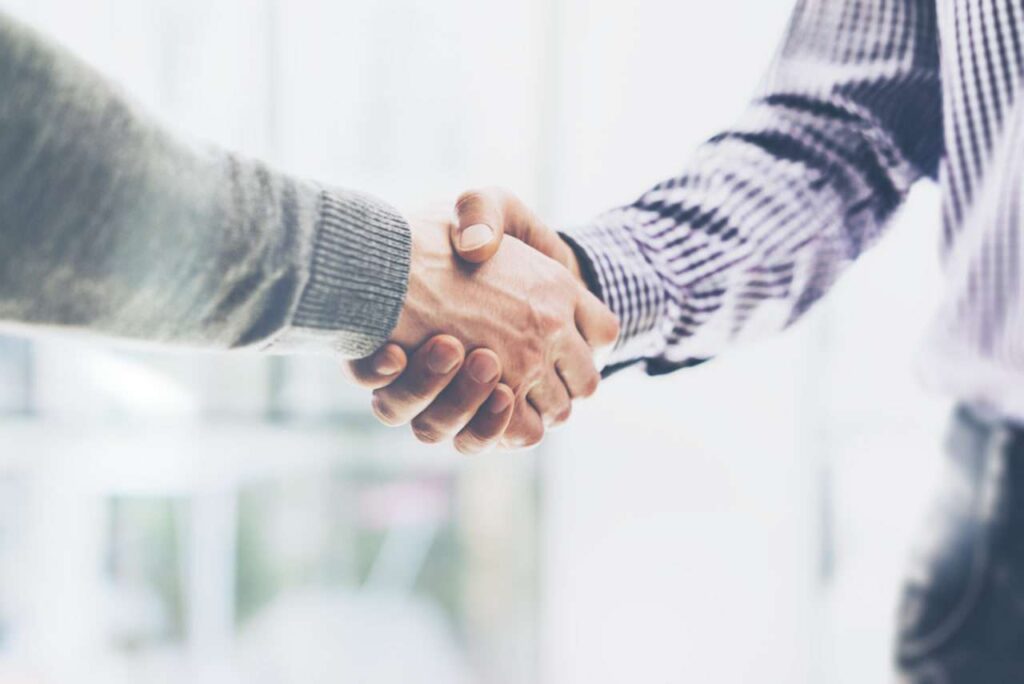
(864, 98)
(111, 225)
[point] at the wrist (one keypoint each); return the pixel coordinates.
(433, 269)
(574, 267)
(581, 267)
(356, 240)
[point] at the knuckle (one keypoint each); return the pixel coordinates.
(419, 393)
(544, 319)
(469, 443)
(533, 437)
(482, 435)
(427, 430)
(385, 411)
(468, 199)
(555, 415)
(590, 385)
(421, 388)
(530, 355)
(525, 436)
(357, 373)
(612, 331)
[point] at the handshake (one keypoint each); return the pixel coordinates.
(498, 332)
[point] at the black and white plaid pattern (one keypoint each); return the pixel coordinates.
(863, 100)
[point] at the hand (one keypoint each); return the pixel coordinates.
(466, 400)
(519, 303)
(482, 218)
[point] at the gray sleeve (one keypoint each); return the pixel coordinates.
(110, 225)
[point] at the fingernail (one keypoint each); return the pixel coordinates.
(476, 236)
(483, 368)
(386, 364)
(498, 402)
(442, 359)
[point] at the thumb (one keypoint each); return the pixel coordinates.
(483, 217)
(479, 224)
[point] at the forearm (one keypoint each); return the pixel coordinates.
(746, 252)
(767, 214)
(113, 226)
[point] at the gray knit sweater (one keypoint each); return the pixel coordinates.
(109, 224)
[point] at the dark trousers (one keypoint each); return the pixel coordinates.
(962, 614)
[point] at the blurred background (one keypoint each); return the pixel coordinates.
(180, 518)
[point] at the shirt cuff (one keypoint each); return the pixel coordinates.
(617, 271)
(358, 276)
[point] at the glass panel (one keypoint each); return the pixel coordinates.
(15, 376)
(144, 560)
(442, 562)
(234, 518)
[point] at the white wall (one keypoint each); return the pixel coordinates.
(746, 520)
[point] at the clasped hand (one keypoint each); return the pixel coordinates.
(518, 305)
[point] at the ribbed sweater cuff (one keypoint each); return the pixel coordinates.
(359, 272)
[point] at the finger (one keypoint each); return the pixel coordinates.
(457, 404)
(526, 429)
(378, 369)
(551, 399)
(430, 370)
(479, 224)
(489, 423)
(595, 321)
(577, 370)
